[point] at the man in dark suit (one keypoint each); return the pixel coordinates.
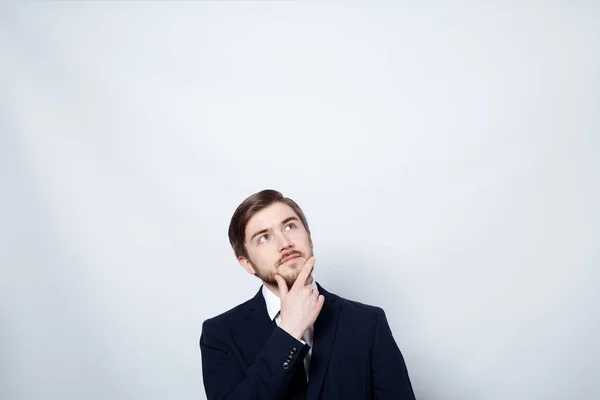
(295, 340)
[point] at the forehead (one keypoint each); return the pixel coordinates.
(269, 217)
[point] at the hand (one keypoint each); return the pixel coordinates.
(300, 306)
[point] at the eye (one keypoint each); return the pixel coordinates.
(289, 226)
(262, 238)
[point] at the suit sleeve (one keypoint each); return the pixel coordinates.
(267, 378)
(390, 375)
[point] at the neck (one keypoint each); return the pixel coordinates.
(272, 288)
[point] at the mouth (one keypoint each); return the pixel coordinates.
(291, 258)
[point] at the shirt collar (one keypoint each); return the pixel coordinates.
(272, 301)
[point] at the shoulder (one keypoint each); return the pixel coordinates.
(357, 310)
(228, 318)
(360, 322)
(356, 306)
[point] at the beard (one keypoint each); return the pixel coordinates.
(289, 278)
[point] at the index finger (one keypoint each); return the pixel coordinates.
(303, 275)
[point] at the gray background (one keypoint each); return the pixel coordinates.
(446, 155)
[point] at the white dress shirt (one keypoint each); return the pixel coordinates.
(273, 308)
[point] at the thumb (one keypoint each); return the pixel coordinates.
(283, 289)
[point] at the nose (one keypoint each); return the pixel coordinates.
(285, 243)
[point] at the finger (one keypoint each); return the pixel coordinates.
(283, 289)
(320, 301)
(318, 305)
(303, 275)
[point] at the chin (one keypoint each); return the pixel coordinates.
(296, 264)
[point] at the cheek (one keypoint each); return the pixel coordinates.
(301, 238)
(263, 254)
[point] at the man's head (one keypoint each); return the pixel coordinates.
(270, 235)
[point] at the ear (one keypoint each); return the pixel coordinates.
(245, 263)
(310, 239)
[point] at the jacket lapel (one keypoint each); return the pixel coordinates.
(258, 327)
(324, 333)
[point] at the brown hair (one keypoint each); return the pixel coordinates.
(249, 207)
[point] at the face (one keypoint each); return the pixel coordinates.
(276, 243)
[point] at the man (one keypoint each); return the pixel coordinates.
(295, 340)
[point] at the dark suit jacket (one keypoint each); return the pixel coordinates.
(244, 354)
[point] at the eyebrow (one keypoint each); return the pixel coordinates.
(285, 221)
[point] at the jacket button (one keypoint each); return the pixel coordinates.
(293, 350)
(286, 365)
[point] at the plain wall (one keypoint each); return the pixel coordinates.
(447, 156)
